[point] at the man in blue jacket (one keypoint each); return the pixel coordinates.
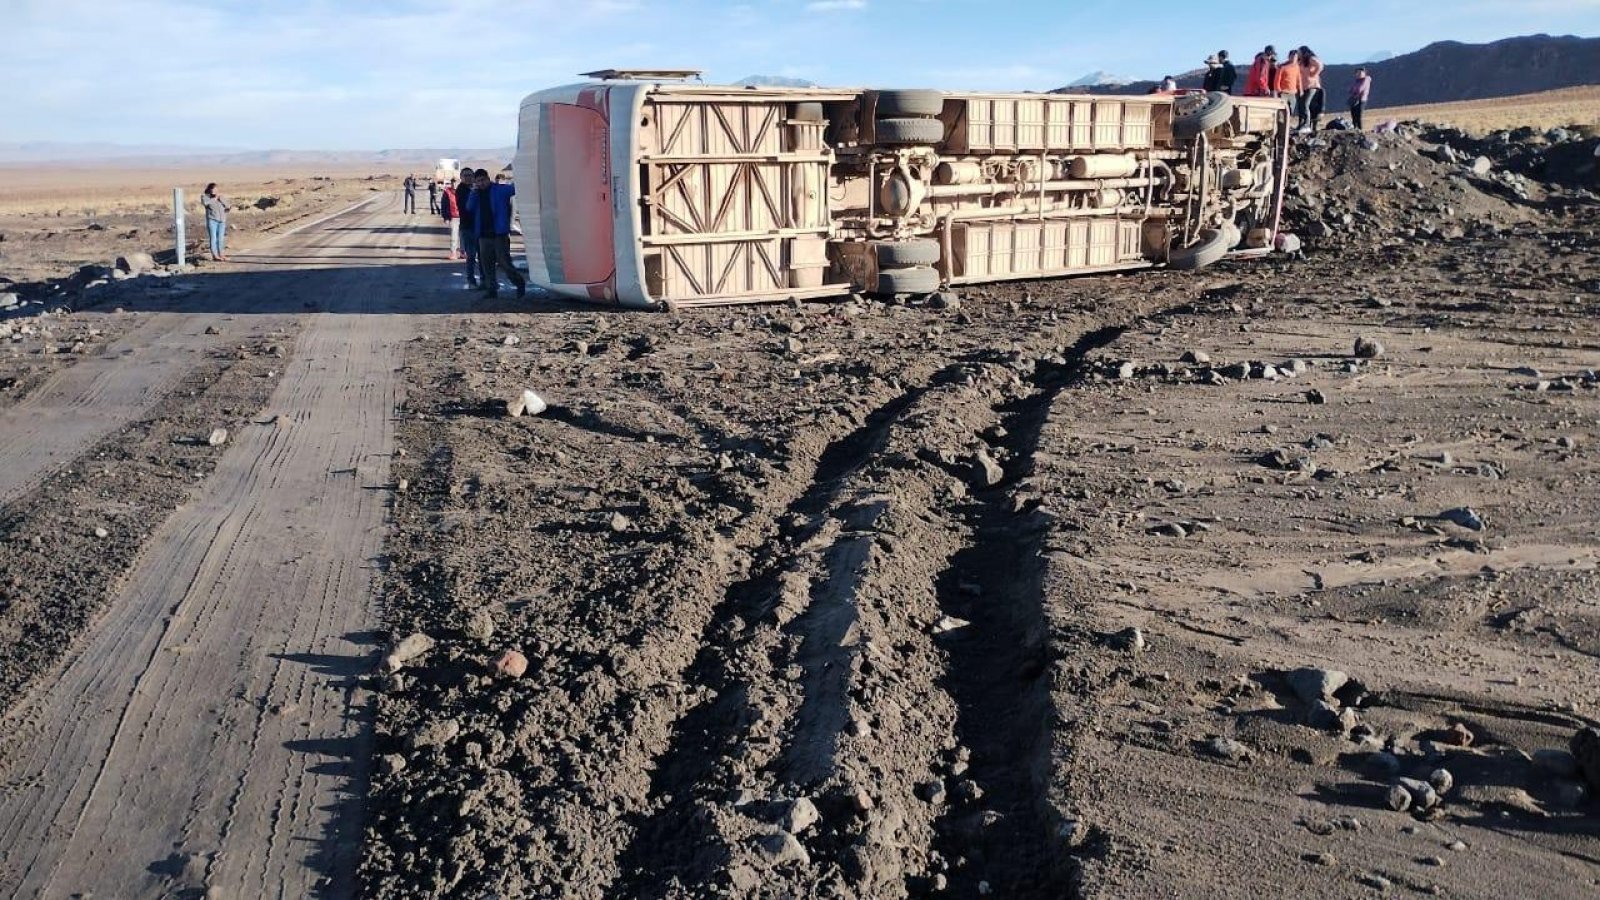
(490, 204)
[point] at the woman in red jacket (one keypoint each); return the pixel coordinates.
(1258, 83)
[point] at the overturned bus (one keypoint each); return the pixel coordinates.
(644, 189)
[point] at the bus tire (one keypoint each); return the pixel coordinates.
(911, 280)
(910, 131)
(1213, 110)
(914, 252)
(1211, 248)
(909, 104)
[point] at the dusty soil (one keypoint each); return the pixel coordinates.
(1129, 586)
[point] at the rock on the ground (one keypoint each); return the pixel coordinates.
(1313, 684)
(410, 647)
(217, 437)
(525, 403)
(1368, 348)
(511, 664)
(1224, 748)
(1586, 751)
(984, 468)
(781, 848)
(136, 263)
(798, 814)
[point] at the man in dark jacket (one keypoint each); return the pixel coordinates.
(410, 184)
(491, 208)
(433, 196)
(468, 227)
(1220, 73)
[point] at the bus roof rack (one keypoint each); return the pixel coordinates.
(643, 74)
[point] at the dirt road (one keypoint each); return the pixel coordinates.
(206, 731)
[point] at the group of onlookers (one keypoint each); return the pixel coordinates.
(478, 212)
(1298, 81)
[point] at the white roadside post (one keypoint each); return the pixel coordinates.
(177, 221)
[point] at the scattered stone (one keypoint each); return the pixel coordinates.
(1459, 735)
(1321, 859)
(984, 468)
(410, 647)
(1481, 166)
(101, 533)
(1586, 752)
(212, 329)
(620, 523)
(793, 345)
(1456, 846)
(1312, 684)
(1130, 639)
(525, 403)
(781, 849)
(1170, 529)
(511, 664)
(402, 485)
(217, 437)
(1196, 357)
(1442, 781)
(1397, 798)
(1368, 348)
(1423, 796)
(1224, 748)
(798, 814)
(1558, 763)
(1377, 882)
(945, 300)
(1434, 861)
(1467, 518)
(511, 340)
(931, 791)
(861, 800)
(948, 624)
(391, 763)
(1316, 397)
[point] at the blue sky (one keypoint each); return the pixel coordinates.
(320, 74)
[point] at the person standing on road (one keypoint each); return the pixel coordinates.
(452, 219)
(1258, 82)
(491, 204)
(467, 228)
(1311, 89)
(433, 196)
(1288, 86)
(411, 193)
(1360, 89)
(216, 207)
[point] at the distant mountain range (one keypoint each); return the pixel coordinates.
(774, 81)
(52, 153)
(1094, 79)
(1438, 73)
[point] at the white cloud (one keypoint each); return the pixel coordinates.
(835, 5)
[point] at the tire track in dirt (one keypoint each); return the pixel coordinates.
(209, 732)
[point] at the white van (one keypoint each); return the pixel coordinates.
(642, 189)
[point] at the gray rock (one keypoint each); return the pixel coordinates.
(1125, 371)
(781, 849)
(1368, 348)
(1442, 781)
(1224, 748)
(410, 647)
(1316, 397)
(1481, 166)
(945, 300)
(1197, 357)
(217, 437)
(798, 814)
(1377, 882)
(619, 522)
(985, 470)
(1559, 763)
(480, 625)
(1423, 795)
(1130, 639)
(1313, 684)
(931, 791)
(793, 345)
(1397, 798)
(1465, 516)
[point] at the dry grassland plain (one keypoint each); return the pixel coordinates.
(1564, 108)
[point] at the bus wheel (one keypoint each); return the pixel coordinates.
(1192, 118)
(1212, 247)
